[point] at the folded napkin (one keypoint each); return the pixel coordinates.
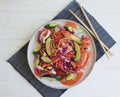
(19, 59)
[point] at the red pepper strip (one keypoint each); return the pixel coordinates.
(73, 64)
(73, 81)
(45, 65)
(56, 60)
(87, 60)
(54, 36)
(60, 65)
(62, 40)
(37, 72)
(58, 35)
(69, 55)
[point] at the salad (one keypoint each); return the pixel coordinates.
(61, 55)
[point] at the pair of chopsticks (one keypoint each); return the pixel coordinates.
(92, 31)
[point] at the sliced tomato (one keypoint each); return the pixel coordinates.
(73, 81)
(37, 72)
(85, 45)
(84, 60)
(87, 60)
(71, 24)
(85, 38)
(80, 64)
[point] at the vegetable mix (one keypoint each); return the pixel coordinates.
(61, 55)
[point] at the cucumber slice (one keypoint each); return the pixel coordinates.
(56, 29)
(37, 61)
(48, 46)
(37, 49)
(78, 52)
(40, 67)
(49, 67)
(73, 37)
(80, 29)
(58, 78)
(70, 76)
(51, 25)
(68, 28)
(46, 59)
(50, 79)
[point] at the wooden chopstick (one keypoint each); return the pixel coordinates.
(92, 28)
(88, 30)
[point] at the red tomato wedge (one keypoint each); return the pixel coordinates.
(73, 81)
(85, 45)
(37, 72)
(70, 24)
(87, 60)
(85, 38)
(84, 60)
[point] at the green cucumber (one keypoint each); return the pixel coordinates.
(50, 79)
(51, 25)
(70, 29)
(56, 29)
(80, 29)
(40, 67)
(37, 49)
(78, 52)
(49, 67)
(37, 61)
(70, 76)
(48, 46)
(46, 59)
(73, 37)
(58, 78)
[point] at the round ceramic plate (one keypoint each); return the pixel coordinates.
(57, 84)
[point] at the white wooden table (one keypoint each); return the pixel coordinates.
(20, 18)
